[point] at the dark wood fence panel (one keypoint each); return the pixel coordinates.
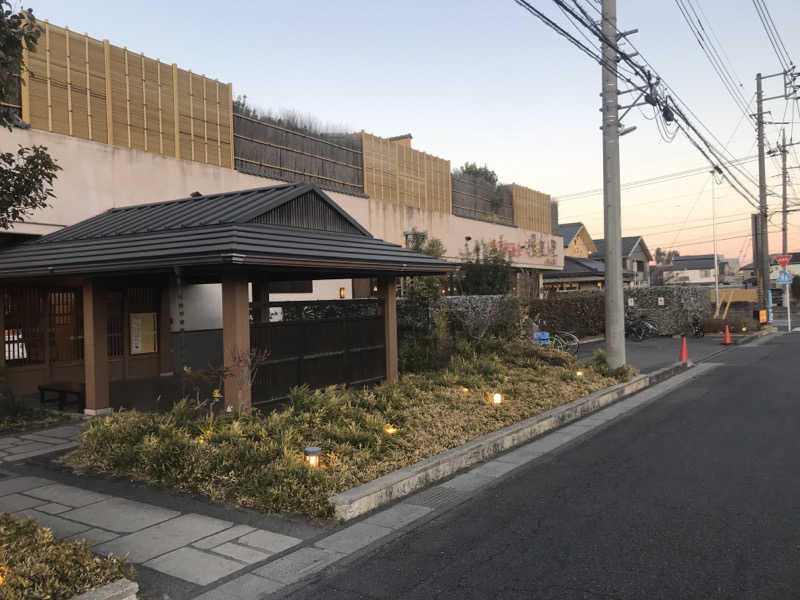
(319, 344)
(477, 198)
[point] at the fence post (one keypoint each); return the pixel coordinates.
(388, 293)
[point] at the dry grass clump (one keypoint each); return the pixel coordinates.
(36, 566)
(257, 461)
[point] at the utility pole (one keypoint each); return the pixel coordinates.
(614, 297)
(714, 235)
(784, 207)
(763, 255)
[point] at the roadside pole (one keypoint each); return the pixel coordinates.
(714, 235)
(614, 300)
(785, 279)
(788, 299)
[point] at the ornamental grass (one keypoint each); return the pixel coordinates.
(256, 460)
(36, 566)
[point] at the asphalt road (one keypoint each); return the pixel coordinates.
(655, 353)
(693, 496)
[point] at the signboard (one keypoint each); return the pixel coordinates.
(784, 278)
(275, 314)
(661, 301)
(783, 260)
(631, 302)
(762, 316)
(144, 333)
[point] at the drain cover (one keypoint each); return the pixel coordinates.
(436, 497)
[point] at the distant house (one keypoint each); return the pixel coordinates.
(636, 258)
(577, 241)
(697, 270)
(581, 275)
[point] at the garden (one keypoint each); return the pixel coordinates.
(468, 370)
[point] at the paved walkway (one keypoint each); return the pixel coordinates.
(26, 445)
(213, 558)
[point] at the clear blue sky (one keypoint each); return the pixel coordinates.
(480, 81)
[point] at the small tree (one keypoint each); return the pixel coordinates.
(483, 172)
(26, 176)
(484, 270)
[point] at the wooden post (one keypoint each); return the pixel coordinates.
(160, 118)
(236, 341)
(109, 117)
(95, 347)
(230, 114)
(88, 84)
(128, 98)
(219, 136)
(205, 120)
(165, 333)
(191, 114)
(176, 110)
(47, 71)
(261, 301)
(25, 87)
(69, 82)
(144, 102)
(388, 293)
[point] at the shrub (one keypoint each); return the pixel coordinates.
(582, 313)
(735, 323)
(36, 566)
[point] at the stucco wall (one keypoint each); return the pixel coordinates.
(97, 177)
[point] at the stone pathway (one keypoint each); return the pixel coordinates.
(27, 445)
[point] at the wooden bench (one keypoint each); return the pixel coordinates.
(77, 390)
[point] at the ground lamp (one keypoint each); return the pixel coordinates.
(496, 398)
(464, 389)
(311, 455)
(389, 428)
(579, 373)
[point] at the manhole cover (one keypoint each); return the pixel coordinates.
(436, 497)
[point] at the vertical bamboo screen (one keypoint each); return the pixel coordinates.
(402, 175)
(531, 209)
(86, 88)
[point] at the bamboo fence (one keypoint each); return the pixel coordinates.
(532, 209)
(401, 175)
(476, 198)
(79, 86)
(266, 148)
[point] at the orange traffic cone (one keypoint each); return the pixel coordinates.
(684, 351)
(727, 340)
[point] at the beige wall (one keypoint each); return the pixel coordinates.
(97, 176)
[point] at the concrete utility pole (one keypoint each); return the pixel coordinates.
(714, 235)
(614, 297)
(763, 258)
(784, 207)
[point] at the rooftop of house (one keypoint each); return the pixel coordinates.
(582, 267)
(568, 231)
(629, 244)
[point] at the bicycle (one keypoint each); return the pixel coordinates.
(566, 341)
(640, 328)
(695, 327)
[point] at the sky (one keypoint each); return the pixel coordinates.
(484, 81)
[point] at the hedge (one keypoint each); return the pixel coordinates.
(582, 313)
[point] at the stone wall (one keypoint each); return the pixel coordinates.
(680, 304)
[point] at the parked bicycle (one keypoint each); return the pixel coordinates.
(566, 341)
(639, 328)
(695, 327)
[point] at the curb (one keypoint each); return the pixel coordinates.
(398, 484)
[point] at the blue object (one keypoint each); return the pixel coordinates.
(542, 338)
(769, 306)
(784, 278)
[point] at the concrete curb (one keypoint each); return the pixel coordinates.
(398, 484)
(121, 589)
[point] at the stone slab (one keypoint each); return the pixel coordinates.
(353, 538)
(8, 441)
(466, 482)
(194, 565)
(21, 484)
(244, 587)
(53, 508)
(61, 528)
(121, 589)
(164, 537)
(64, 431)
(223, 536)
(245, 554)
(28, 446)
(94, 536)
(121, 515)
(494, 468)
(398, 515)
(67, 494)
(297, 565)
(38, 437)
(15, 502)
(48, 450)
(269, 541)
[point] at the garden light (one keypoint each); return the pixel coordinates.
(389, 428)
(744, 329)
(311, 455)
(217, 394)
(342, 292)
(497, 398)
(579, 373)
(464, 389)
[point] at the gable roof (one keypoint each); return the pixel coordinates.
(696, 262)
(568, 231)
(301, 205)
(280, 228)
(629, 244)
(581, 267)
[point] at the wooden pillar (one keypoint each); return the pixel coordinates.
(261, 302)
(387, 291)
(165, 334)
(95, 347)
(236, 341)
